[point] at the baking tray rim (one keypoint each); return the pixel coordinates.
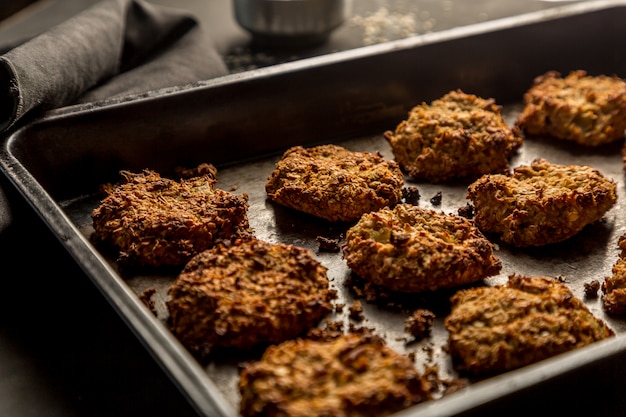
(335, 58)
(173, 358)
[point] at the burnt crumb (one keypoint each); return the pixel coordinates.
(429, 350)
(411, 195)
(363, 331)
(330, 330)
(467, 211)
(339, 307)
(436, 199)
(411, 356)
(332, 325)
(328, 245)
(146, 297)
(592, 288)
(356, 311)
(202, 169)
(443, 386)
(419, 323)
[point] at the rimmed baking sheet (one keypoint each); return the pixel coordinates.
(242, 123)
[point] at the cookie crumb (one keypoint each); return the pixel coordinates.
(411, 195)
(356, 311)
(592, 288)
(419, 323)
(146, 297)
(328, 245)
(467, 211)
(436, 199)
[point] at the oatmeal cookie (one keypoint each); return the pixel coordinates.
(500, 328)
(614, 289)
(455, 137)
(156, 221)
(542, 203)
(410, 249)
(247, 293)
(350, 375)
(334, 183)
(589, 110)
(614, 286)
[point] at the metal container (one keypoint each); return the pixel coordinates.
(243, 122)
(290, 22)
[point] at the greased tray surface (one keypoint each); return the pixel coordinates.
(242, 123)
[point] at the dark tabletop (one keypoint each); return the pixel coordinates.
(63, 350)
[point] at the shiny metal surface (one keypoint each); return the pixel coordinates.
(290, 22)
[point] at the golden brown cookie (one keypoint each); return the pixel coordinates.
(500, 328)
(156, 221)
(247, 293)
(614, 286)
(334, 183)
(589, 110)
(458, 136)
(542, 203)
(350, 375)
(410, 249)
(614, 289)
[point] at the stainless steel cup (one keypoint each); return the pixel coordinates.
(290, 22)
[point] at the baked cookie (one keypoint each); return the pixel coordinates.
(589, 110)
(455, 137)
(614, 289)
(410, 249)
(156, 221)
(350, 375)
(614, 286)
(500, 328)
(334, 183)
(542, 203)
(247, 293)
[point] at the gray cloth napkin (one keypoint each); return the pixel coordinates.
(115, 48)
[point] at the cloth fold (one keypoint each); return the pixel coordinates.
(114, 48)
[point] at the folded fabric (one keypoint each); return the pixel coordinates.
(114, 48)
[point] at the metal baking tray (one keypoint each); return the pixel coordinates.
(242, 123)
